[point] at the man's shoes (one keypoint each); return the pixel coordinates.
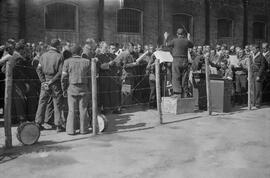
(47, 126)
(60, 129)
(117, 111)
(176, 95)
(258, 107)
(40, 126)
(86, 132)
(71, 134)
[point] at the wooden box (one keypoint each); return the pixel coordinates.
(221, 92)
(177, 105)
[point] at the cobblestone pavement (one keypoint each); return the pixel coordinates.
(136, 146)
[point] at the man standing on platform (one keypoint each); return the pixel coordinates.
(49, 73)
(180, 70)
(76, 81)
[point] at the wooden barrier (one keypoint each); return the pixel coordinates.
(8, 100)
(158, 90)
(94, 95)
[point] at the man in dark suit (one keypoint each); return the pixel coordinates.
(266, 83)
(49, 72)
(180, 70)
(258, 66)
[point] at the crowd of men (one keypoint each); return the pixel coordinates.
(53, 81)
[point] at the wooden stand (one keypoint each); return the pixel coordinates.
(178, 105)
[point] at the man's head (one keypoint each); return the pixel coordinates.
(180, 32)
(240, 53)
(151, 48)
(19, 47)
(76, 50)
(135, 49)
(212, 52)
(199, 50)
(218, 47)
(55, 43)
(112, 48)
(255, 48)
(146, 48)
(103, 47)
(139, 46)
(232, 49)
(224, 64)
(265, 47)
(91, 43)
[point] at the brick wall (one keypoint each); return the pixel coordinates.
(88, 20)
(9, 14)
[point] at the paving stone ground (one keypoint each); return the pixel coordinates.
(136, 146)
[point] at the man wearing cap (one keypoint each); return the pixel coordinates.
(49, 72)
(76, 81)
(180, 47)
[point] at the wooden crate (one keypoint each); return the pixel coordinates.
(177, 105)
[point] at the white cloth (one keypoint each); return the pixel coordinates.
(163, 56)
(233, 61)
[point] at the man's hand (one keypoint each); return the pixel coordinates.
(49, 83)
(65, 94)
(258, 79)
(111, 63)
(166, 34)
(188, 36)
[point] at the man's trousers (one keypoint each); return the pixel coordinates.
(77, 104)
(180, 75)
(257, 86)
(56, 93)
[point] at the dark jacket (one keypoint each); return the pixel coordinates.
(258, 64)
(50, 66)
(180, 47)
(76, 75)
(267, 57)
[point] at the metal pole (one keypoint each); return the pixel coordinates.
(208, 88)
(94, 94)
(8, 100)
(158, 90)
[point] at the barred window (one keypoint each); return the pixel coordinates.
(60, 16)
(182, 21)
(259, 30)
(129, 21)
(225, 28)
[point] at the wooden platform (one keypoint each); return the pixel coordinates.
(177, 105)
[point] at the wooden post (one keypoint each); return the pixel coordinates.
(94, 94)
(249, 83)
(158, 90)
(8, 100)
(208, 89)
